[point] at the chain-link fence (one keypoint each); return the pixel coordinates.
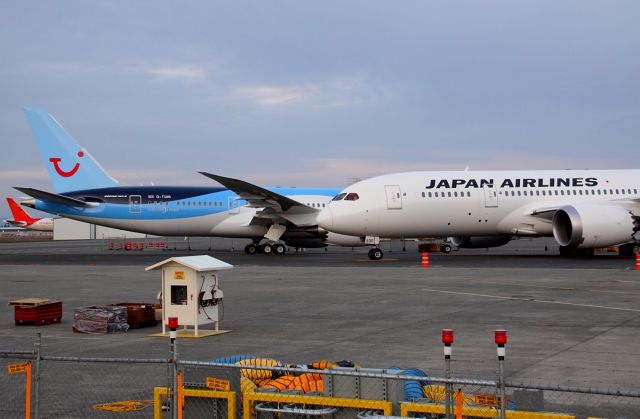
(40, 386)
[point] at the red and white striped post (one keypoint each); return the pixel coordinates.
(501, 340)
(425, 259)
(637, 261)
(447, 340)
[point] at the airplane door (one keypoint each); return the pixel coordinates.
(394, 196)
(135, 204)
(490, 197)
(234, 207)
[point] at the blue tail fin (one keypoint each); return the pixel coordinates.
(70, 166)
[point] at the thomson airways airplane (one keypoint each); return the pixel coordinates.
(22, 219)
(85, 192)
(581, 209)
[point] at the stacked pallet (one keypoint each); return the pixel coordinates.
(140, 314)
(37, 311)
(100, 319)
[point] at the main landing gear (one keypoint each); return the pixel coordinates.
(375, 254)
(266, 249)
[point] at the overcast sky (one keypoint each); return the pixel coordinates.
(315, 93)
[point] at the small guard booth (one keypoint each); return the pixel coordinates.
(191, 292)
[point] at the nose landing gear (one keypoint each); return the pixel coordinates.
(375, 254)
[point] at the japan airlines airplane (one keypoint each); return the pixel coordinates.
(85, 192)
(22, 219)
(581, 209)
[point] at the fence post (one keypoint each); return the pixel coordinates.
(36, 374)
(447, 340)
(501, 340)
(173, 325)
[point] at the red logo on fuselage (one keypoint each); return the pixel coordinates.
(56, 160)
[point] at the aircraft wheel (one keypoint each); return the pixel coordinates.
(266, 248)
(279, 249)
(375, 254)
(446, 248)
(251, 249)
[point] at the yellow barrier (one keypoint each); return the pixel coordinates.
(478, 412)
(230, 396)
(250, 398)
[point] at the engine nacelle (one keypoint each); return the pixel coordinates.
(478, 242)
(592, 225)
(344, 240)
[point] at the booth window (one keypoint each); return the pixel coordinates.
(179, 295)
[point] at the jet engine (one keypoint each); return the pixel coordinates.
(592, 225)
(477, 242)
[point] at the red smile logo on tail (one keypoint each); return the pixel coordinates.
(56, 160)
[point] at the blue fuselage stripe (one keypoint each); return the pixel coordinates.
(162, 203)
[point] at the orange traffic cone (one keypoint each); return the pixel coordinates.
(637, 261)
(425, 260)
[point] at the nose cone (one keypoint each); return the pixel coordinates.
(325, 218)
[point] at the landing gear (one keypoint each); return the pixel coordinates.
(251, 249)
(446, 248)
(375, 254)
(266, 248)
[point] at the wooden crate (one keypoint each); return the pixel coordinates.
(140, 315)
(37, 311)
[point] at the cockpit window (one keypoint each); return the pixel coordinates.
(352, 197)
(339, 197)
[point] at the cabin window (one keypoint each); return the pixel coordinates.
(599, 192)
(629, 191)
(617, 191)
(635, 191)
(580, 191)
(518, 193)
(423, 194)
(455, 194)
(429, 194)
(449, 193)
(468, 194)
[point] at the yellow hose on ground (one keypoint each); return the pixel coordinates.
(437, 394)
(258, 362)
(124, 406)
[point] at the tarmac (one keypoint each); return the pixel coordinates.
(571, 321)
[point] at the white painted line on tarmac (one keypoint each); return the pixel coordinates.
(533, 300)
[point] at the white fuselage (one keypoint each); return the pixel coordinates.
(426, 204)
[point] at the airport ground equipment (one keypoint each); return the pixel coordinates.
(435, 245)
(191, 291)
(37, 311)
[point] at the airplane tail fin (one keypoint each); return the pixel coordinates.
(70, 166)
(18, 213)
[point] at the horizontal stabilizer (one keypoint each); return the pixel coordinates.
(55, 198)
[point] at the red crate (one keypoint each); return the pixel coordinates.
(140, 314)
(37, 311)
